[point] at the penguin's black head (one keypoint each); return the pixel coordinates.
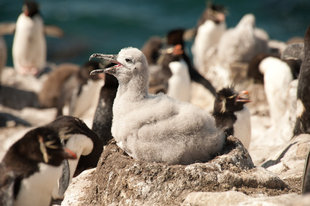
(170, 54)
(68, 125)
(110, 82)
(175, 37)
(214, 12)
(31, 8)
(43, 145)
(229, 101)
(84, 73)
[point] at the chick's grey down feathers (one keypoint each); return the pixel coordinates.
(156, 127)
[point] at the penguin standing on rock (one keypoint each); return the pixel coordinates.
(302, 124)
(231, 114)
(31, 167)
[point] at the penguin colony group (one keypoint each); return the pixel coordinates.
(132, 106)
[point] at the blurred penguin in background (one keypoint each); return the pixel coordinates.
(29, 44)
(210, 28)
(71, 85)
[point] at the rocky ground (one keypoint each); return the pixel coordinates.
(270, 173)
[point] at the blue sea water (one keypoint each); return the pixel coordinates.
(108, 25)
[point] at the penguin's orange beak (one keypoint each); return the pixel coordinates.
(243, 96)
(69, 154)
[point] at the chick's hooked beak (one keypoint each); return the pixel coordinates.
(243, 97)
(107, 61)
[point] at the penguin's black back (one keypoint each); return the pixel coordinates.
(72, 125)
(103, 116)
(302, 124)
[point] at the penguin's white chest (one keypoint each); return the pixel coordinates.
(179, 85)
(87, 100)
(206, 40)
(277, 78)
(242, 127)
(80, 145)
(29, 45)
(36, 190)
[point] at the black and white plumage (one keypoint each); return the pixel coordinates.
(179, 84)
(88, 87)
(32, 166)
(231, 114)
(29, 44)
(156, 127)
(176, 37)
(176, 71)
(303, 98)
(71, 85)
(277, 78)
(160, 72)
(81, 140)
(211, 26)
(102, 122)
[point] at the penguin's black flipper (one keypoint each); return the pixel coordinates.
(7, 179)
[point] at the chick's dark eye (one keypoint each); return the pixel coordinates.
(128, 60)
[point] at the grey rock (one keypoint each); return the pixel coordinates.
(288, 163)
